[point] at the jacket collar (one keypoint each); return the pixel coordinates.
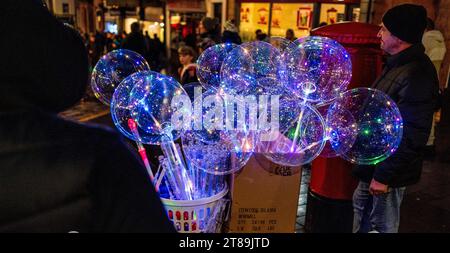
(408, 55)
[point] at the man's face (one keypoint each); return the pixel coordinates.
(389, 43)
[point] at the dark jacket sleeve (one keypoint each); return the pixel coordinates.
(126, 199)
(415, 98)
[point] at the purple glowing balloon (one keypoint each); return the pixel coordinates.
(112, 69)
(254, 68)
(318, 68)
(365, 126)
(210, 62)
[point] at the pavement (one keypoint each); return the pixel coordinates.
(426, 206)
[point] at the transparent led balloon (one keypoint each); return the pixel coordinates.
(300, 137)
(280, 43)
(253, 68)
(121, 107)
(366, 126)
(111, 69)
(159, 106)
(218, 143)
(328, 150)
(210, 62)
(318, 68)
(193, 89)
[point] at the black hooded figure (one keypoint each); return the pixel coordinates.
(56, 175)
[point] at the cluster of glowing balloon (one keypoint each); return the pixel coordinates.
(111, 69)
(253, 68)
(365, 126)
(284, 100)
(210, 62)
(148, 98)
(318, 68)
(299, 139)
(218, 142)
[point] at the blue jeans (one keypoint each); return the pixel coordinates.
(380, 213)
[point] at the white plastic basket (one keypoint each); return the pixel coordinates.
(197, 216)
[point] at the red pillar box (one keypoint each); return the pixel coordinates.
(329, 206)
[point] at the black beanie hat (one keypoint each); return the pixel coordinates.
(406, 22)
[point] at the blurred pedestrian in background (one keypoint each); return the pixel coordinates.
(135, 41)
(188, 71)
(290, 35)
(434, 44)
(208, 33)
(230, 33)
(260, 35)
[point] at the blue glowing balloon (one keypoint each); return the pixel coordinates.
(366, 126)
(157, 104)
(111, 69)
(300, 137)
(210, 62)
(253, 68)
(219, 142)
(318, 68)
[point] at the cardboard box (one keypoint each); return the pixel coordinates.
(264, 197)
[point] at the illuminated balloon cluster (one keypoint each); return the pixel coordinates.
(309, 78)
(284, 101)
(291, 106)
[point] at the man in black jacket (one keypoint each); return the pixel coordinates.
(410, 79)
(55, 175)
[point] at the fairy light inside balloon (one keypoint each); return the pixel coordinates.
(321, 61)
(210, 62)
(368, 124)
(112, 69)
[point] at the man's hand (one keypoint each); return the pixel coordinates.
(377, 188)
